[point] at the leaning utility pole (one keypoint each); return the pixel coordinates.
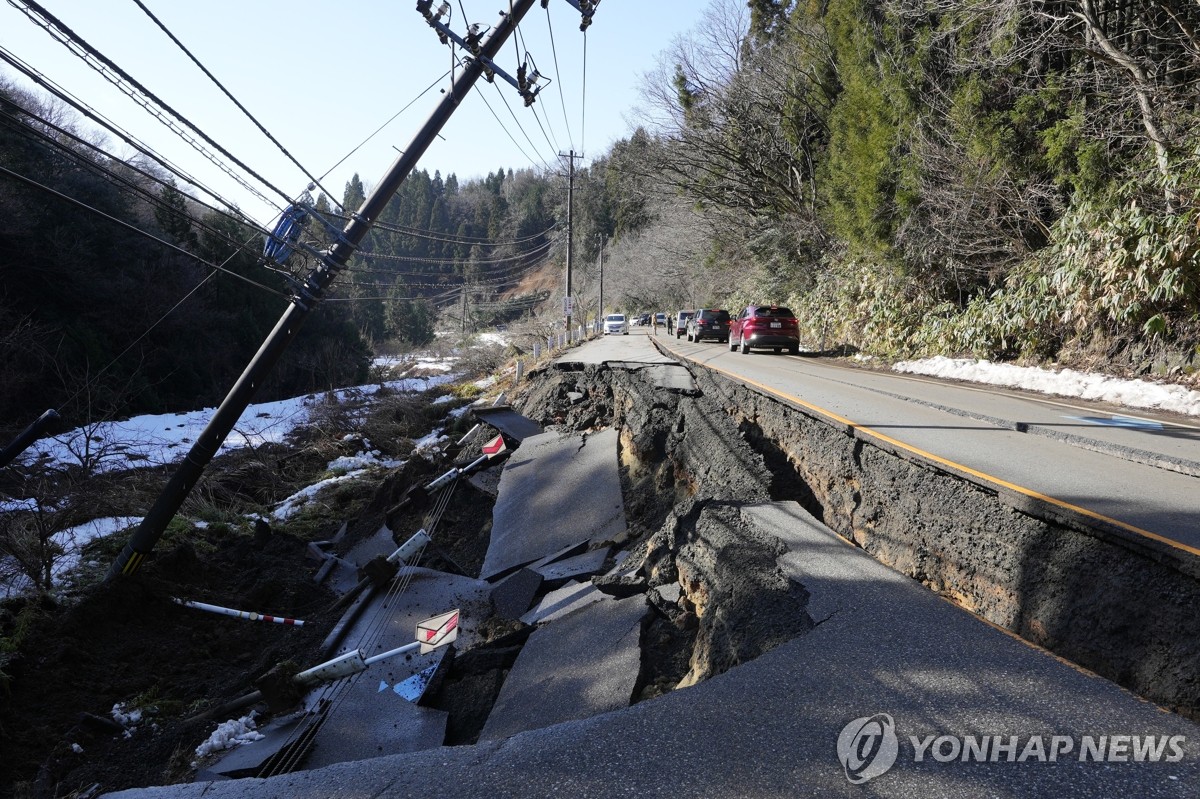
(307, 295)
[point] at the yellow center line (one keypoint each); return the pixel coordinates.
(1029, 492)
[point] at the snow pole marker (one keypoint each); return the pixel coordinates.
(249, 615)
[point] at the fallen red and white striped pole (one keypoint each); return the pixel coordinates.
(249, 615)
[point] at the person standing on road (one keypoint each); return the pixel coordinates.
(670, 324)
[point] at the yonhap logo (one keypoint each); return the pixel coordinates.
(867, 747)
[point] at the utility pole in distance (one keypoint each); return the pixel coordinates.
(600, 310)
(308, 295)
(567, 305)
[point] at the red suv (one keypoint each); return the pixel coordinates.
(763, 326)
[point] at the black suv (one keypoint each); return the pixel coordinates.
(709, 323)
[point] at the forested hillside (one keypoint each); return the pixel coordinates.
(998, 177)
(122, 293)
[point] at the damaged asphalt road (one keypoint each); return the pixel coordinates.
(793, 634)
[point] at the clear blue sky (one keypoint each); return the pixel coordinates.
(321, 76)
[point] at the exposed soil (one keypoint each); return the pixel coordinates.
(127, 642)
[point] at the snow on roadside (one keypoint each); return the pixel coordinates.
(72, 541)
(229, 734)
(159, 439)
(1063, 382)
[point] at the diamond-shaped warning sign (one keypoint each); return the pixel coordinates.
(494, 447)
(437, 631)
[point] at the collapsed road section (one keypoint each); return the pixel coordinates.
(1119, 605)
(576, 608)
(721, 644)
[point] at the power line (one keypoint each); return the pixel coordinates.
(521, 127)
(94, 115)
(451, 238)
(106, 68)
(29, 130)
(219, 85)
(503, 128)
(385, 124)
(562, 98)
(583, 98)
(135, 229)
(451, 261)
(553, 144)
(496, 278)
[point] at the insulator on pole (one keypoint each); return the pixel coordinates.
(410, 547)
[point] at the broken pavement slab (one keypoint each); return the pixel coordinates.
(513, 595)
(578, 566)
(391, 725)
(509, 421)
(571, 596)
(580, 665)
(672, 377)
(369, 717)
(556, 490)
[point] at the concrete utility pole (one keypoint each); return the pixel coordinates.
(310, 293)
(570, 156)
(600, 309)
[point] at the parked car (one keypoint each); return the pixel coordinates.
(616, 323)
(681, 320)
(660, 319)
(709, 323)
(644, 319)
(762, 326)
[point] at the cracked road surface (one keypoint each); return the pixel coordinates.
(770, 728)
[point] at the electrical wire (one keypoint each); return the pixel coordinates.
(450, 261)
(42, 80)
(385, 124)
(449, 238)
(216, 269)
(519, 127)
(29, 130)
(316, 181)
(583, 98)
(503, 128)
(29, 181)
(331, 697)
(133, 89)
(553, 144)
(561, 96)
(499, 275)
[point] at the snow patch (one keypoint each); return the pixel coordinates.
(229, 734)
(1061, 382)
